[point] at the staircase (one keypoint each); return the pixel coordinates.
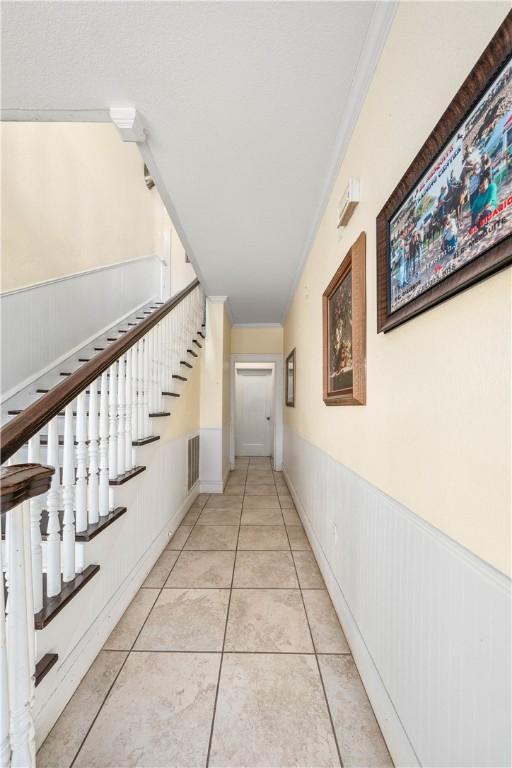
(67, 458)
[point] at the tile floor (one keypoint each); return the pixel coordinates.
(231, 653)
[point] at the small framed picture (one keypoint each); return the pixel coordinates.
(290, 380)
(344, 330)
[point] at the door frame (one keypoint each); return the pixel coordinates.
(277, 404)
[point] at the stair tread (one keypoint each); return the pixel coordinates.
(122, 479)
(53, 605)
(91, 531)
(184, 362)
(146, 440)
(158, 414)
(171, 394)
(44, 665)
(180, 378)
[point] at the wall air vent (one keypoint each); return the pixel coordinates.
(193, 461)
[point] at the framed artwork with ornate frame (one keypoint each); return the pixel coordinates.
(448, 223)
(344, 330)
(290, 379)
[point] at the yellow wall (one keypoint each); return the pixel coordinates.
(257, 341)
(186, 409)
(73, 198)
(435, 433)
(213, 379)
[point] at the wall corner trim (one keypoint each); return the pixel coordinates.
(217, 299)
(129, 124)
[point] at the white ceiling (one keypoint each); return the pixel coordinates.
(248, 107)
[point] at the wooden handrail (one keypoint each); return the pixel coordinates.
(27, 424)
(21, 482)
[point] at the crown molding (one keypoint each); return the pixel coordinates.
(128, 123)
(378, 29)
(54, 115)
(257, 325)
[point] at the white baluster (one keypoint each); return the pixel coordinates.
(104, 431)
(135, 397)
(31, 635)
(53, 580)
(175, 361)
(19, 636)
(153, 403)
(165, 362)
(128, 413)
(68, 496)
(81, 463)
(169, 351)
(36, 505)
(156, 368)
(140, 389)
(92, 429)
(146, 390)
(5, 747)
(121, 391)
(112, 421)
(161, 377)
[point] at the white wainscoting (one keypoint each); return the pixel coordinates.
(427, 621)
(212, 472)
(43, 322)
(156, 502)
(226, 444)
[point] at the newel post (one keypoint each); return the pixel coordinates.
(18, 484)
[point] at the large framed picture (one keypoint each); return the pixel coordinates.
(448, 223)
(290, 379)
(344, 330)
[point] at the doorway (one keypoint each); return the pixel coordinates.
(257, 407)
(254, 429)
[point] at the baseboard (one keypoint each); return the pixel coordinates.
(71, 671)
(392, 729)
(212, 487)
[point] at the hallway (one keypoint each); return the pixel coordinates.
(230, 654)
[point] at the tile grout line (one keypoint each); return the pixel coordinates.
(210, 740)
(133, 644)
(223, 651)
(316, 656)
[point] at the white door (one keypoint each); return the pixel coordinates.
(254, 423)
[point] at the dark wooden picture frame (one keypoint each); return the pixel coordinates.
(353, 266)
(488, 68)
(289, 370)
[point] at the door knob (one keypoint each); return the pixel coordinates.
(268, 418)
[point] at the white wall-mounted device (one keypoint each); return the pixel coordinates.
(349, 201)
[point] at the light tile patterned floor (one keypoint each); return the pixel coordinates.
(231, 654)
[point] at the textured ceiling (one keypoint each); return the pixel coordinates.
(247, 107)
